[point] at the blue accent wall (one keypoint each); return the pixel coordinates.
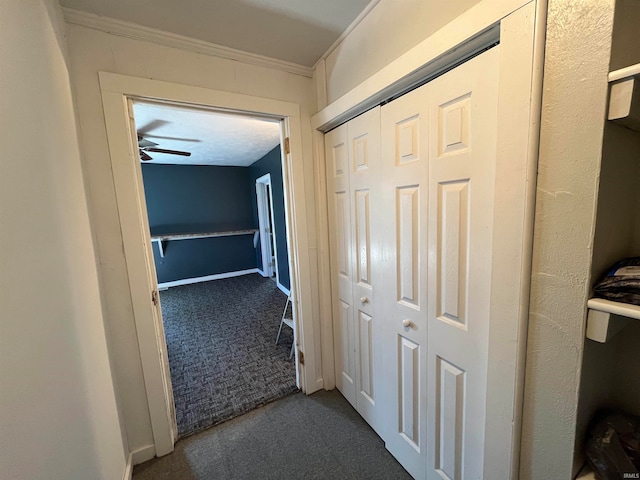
(272, 163)
(189, 198)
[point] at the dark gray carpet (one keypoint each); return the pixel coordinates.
(222, 353)
(297, 437)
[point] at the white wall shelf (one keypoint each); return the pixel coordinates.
(606, 318)
(624, 100)
(163, 239)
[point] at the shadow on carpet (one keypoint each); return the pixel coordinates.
(298, 437)
(222, 353)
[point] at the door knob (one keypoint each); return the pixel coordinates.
(407, 323)
(364, 300)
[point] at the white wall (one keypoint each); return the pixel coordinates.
(92, 51)
(59, 418)
(388, 31)
(572, 124)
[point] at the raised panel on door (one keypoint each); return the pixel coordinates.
(364, 164)
(341, 259)
(463, 127)
(404, 126)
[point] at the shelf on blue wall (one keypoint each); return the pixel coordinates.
(164, 238)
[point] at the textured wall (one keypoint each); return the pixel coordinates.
(609, 370)
(191, 198)
(59, 419)
(272, 163)
(574, 101)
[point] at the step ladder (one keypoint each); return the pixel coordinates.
(288, 322)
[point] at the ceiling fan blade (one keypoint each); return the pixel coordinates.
(152, 125)
(143, 142)
(171, 152)
(145, 157)
(176, 139)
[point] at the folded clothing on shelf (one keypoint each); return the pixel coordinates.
(622, 282)
(613, 445)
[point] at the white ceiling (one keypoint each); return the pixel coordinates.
(297, 31)
(213, 138)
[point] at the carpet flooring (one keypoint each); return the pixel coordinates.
(222, 353)
(298, 437)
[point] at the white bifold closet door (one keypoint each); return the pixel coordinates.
(411, 225)
(462, 162)
(438, 167)
(405, 154)
(353, 164)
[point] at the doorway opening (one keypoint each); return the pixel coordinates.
(267, 229)
(118, 93)
(214, 190)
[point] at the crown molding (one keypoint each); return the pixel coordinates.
(167, 39)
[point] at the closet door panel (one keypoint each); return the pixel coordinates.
(364, 155)
(463, 126)
(341, 256)
(404, 126)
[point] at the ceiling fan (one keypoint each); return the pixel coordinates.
(145, 146)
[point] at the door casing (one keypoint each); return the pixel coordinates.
(118, 92)
(264, 194)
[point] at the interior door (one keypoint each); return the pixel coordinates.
(462, 153)
(363, 134)
(341, 257)
(404, 172)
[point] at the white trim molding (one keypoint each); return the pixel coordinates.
(217, 276)
(128, 469)
(283, 289)
(118, 92)
(268, 250)
(143, 454)
(173, 40)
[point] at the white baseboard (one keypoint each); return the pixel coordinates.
(128, 469)
(284, 289)
(218, 276)
(143, 454)
(261, 272)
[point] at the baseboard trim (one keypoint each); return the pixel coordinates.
(261, 272)
(284, 289)
(143, 454)
(218, 276)
(128, 469)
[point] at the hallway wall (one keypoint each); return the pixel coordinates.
(59, 418)
(92, 51)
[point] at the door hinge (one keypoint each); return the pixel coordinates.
(154, 297)
(300, 357)
(287, 146)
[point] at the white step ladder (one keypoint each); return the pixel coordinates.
(288, 322)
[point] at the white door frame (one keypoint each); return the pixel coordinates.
(519, 25)
(266, 222)
(118, 91)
